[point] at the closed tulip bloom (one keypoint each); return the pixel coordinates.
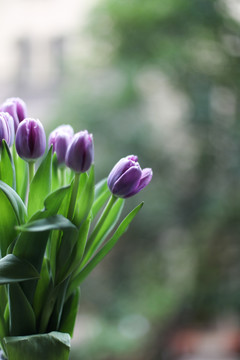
(16, 107)
(62, 128)
(127, 178)
(30, 139)
(79, 156)
(60, 139)
(7, 128)
(3, 130)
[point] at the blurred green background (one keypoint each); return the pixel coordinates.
(159, 79)
(162, 80)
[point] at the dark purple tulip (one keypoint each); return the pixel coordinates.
(79, 156)
(7, 128)
(127, 178)
(60, 139)
(30, 139)
(16, 107)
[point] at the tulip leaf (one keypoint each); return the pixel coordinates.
(85, 200)
(40, 186)
(7, 168)
(102, 193)
(42, 289)
(96, 240)
(3, 327)
(21, 174)
(57, 311)
(31, 244)
(77, 280)
(13, 269)
(50, 223)
(69, 313)
(52, 203)
(55, 177)
(15, 201)
(52, 346)
(100, 187)
(8, 221)
(74, 260)
(22, 318)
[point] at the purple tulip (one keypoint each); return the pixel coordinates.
(16, 107)
(60, 139)
(127, 178)
(30, 139)
(6, 128)
(79, 156)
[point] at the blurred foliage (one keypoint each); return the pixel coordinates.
(162, 80)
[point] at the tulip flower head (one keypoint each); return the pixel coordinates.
(30, 139)
(79, 156)
(6, 128)
(16, 107)
(60, 139)
(127, 178)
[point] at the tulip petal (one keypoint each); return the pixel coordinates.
(79, 156)
(121, 166)
(144, 181)
(127, 181)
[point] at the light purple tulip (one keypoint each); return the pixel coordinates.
(80, 153)
(30, 139)
(60, 139)
(7, 128)
(127, 178)
(17, 108)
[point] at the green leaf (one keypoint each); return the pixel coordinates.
(42, 289)
(15, 201)
(105, 250)
(99, 202)
(84, 199)
(55, 177)
(7, 168)
(13, 269)
(57, 311)
(22, 318)
(96, 240)
(52, 346)
(3, 298)
(3, 327)
(21, 170)
(32, 247)
(8, 221)
(69, 314)
(76, 253)
(52, 203)
(47, 224)
(40, 186)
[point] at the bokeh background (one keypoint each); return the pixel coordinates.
(160, 79)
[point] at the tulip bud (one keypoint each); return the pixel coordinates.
(79, 156)
(60, 139)
(127, 178)
(6, 128)
(30, 139)
(16, 107)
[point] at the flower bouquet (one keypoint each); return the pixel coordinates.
(56, 225)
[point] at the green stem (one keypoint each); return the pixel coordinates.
(97, 228)
(73, 196)
(31, 169)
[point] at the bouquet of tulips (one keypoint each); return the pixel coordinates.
(56, 225)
